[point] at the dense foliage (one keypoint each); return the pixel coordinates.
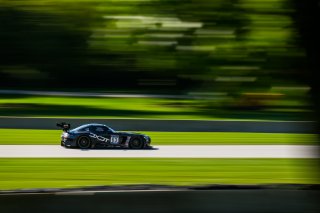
(173, 45)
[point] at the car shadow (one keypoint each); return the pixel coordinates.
(118, 148)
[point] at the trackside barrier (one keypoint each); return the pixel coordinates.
(167, 125)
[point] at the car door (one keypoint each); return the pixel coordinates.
(100, 134)
(104, 135)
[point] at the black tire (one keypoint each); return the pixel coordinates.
(84, 142)
(62, 144)
(136, 143)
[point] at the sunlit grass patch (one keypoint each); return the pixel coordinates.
(52, 173)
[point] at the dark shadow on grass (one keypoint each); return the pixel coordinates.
(14, 96)
(114, 148)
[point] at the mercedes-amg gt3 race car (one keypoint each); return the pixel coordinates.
(99, 135)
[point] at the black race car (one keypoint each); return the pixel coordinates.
(99, 135)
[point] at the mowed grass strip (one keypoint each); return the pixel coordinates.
(33, 137)
(69, 173)
(160, 108)
(53, 106)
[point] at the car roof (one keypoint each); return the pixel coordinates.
(91, 124)
(88, 125)
(95, 124)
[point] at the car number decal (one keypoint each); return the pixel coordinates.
(114, 139)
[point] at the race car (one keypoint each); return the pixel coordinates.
(99, 135)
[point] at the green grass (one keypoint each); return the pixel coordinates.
(159, 108)
(52, 173)
(25, 136)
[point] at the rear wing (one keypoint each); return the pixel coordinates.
(64, 126)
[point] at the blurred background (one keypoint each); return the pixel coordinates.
(243, 56)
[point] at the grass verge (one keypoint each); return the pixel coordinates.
(160, 108)
(26, 136)
(69, 173)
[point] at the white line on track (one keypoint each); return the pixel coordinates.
(179, 151)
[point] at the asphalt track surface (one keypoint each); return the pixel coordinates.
(192, 151)
(165, 125)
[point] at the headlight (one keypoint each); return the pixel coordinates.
(65, 135)
(147, 138)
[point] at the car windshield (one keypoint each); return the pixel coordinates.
(110, 129)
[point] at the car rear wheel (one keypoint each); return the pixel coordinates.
(136, 143)
(84, 142)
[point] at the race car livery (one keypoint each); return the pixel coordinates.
(99, 135)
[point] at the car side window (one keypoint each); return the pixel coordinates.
(99, 129)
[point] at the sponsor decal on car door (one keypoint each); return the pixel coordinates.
(98, 137)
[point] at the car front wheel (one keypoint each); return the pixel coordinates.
(136, 143)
